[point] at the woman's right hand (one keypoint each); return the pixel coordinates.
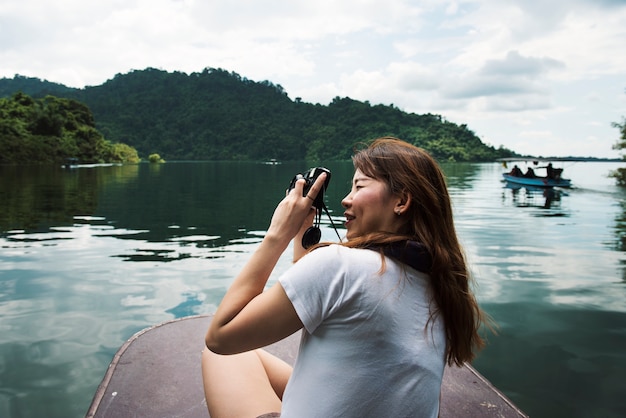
(295, 213)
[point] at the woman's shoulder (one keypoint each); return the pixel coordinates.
(342, 258)
(338, 255)
(342, 251)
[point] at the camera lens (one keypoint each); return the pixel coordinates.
(311, 237)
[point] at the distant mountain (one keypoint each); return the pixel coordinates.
(32, 87)
(219, 115)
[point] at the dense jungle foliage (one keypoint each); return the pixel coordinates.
(219, 115)
(53, 130)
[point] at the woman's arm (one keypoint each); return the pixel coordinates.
(247, 317)
(298, 250)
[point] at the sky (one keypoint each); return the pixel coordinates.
(546, 78)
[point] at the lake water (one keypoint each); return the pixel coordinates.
(92, 255)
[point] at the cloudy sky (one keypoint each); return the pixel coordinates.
(539, 77)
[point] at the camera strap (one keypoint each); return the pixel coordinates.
(412, 253)
(313, 235)
(331, 220)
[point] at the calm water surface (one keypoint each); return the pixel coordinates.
(92, 255)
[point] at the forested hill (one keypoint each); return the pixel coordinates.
(53, 130)
(219, 115)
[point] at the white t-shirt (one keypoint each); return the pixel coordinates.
(365, 349)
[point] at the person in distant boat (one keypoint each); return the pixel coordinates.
(381, 312)
(550, 171)
(516, 172)
(530, 173)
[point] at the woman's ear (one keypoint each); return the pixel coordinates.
(403, 203)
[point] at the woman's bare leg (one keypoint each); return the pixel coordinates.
(277, 371)
(243, 385)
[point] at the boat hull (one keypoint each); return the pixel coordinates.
(541, 182)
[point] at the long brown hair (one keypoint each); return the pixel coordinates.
(409, 170)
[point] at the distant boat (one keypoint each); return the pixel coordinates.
(553, 176)
(272, 161)
(70, 162)
(537, 181)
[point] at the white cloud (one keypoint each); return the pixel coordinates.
(515, 64)
(494, 65)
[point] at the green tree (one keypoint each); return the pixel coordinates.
(620, 173)
(51, 130)
(155, 158)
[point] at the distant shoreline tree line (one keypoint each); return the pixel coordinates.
(214, 115)
(54, 130)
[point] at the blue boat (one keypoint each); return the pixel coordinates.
(538, 181)
(553, 176)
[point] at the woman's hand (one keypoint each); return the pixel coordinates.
(295, 213)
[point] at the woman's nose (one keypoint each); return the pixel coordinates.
(345, 202)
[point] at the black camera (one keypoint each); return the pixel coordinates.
(310, 177)
(313, 234)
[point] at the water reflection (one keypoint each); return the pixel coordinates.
(574, 352)
(37, 197)
(548, 199)
(620, 234)
(461, 175)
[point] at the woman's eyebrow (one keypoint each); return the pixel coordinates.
(361, 178)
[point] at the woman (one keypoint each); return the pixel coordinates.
(382, 312)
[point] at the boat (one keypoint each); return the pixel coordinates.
(539, 181)
(553, 176)
(70, 162)
(156, 373)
